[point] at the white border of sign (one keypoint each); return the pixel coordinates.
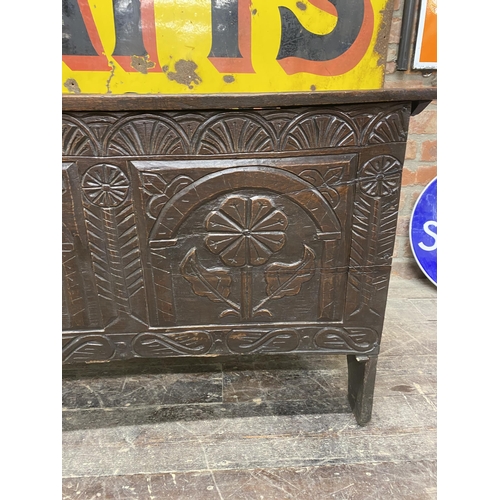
(411, 229)
(417, 63)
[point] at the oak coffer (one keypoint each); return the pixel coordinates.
(237, 224)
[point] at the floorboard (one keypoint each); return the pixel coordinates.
(259, 428)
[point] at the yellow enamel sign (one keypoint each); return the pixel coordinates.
(222, 46)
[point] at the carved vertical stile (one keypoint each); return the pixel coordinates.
(330, 299)
(373, 234)
(73, 289)
(163, 289)
(114, 246)
(79, 294)
(152, 191)
(331, 181)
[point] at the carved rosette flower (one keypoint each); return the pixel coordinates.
(380, 175)
(105, 185)
(246, 230)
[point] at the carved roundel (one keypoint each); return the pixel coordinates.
(246, 231)
(105, 185)
(380, 175)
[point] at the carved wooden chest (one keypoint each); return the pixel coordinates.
(211, 225)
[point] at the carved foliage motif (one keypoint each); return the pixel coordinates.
(160, 191)
(113, 242)
(375, 211)
(326, 182)
(211, 133)
(373, 230)
(238, 340)
(244, 232)
(88, 347)
(359, 339)
(257, 341)
(177, 344)
(145, 135)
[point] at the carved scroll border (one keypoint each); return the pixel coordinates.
(240, 339)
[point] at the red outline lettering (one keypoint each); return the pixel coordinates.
(149, 38)
(88, 63)
(342, 64)
(244, 64)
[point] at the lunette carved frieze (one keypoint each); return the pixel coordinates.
(213, 133)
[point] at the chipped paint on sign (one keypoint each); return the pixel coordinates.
(222, 46)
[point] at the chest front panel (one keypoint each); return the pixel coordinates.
(222, 232)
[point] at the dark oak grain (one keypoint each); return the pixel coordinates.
(83, 102)
(194, 229)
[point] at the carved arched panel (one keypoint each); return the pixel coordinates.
(248, 243)
(240, 231)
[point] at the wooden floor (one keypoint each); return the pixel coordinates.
(263, 428)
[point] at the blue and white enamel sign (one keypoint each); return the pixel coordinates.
(423, 231)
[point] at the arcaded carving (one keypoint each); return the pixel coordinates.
(213, 133)
(146, 134)
(228, 232)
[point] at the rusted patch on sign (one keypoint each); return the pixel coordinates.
(112, 73)
(141, 64)
(72, 85)
(383, 34)
(228, 78)
(301, 5)
(185, 73)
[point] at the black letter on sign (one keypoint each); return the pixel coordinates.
(128, 28)
(225, 29)
(75, 39)
(296, 41)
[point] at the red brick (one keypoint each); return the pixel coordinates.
(407, 268)
(408, 199)
(424, 123)
(425, 174)
(408, 177)
(390, 68)
(411, 150)
(429, 151)
(397, 5)
(395, 31)
(403, 225)
(404, 247)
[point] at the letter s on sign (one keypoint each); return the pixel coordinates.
(430, 233)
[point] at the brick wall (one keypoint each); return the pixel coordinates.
(421, 160)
